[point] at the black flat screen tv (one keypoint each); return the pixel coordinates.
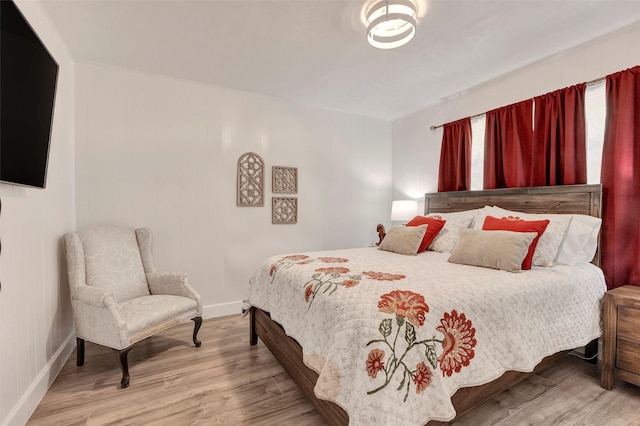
(27, 96)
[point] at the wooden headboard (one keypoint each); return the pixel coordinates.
(566, 199)
(576, 199)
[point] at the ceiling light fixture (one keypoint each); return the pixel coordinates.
(391, 23)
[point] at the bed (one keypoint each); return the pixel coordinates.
(374, 359)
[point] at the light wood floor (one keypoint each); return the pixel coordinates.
(228, 382)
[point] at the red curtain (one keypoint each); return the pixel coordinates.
(508, 146)
(621, 180)
(559, 148)
(455, 157)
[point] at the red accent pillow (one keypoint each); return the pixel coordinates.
(516, 224)
(433, 227)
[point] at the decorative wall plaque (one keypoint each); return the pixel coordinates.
(284, 210)
(250, 180)
(284, 179)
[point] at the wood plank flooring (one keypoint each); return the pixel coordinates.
(228, 382)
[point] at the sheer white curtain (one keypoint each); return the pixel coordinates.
(477, 151)
(595, 110)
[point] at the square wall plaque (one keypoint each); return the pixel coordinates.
(284, 210)
(284, 179)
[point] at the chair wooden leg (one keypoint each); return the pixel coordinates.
(80, 352)
(591, 351)
(124, 365)
(253, 336)
(196, 328)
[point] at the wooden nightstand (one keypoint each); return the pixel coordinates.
(621, 315)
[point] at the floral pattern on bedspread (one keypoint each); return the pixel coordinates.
(410, 310)
(326, 280)
(393, 337)
(299, 259)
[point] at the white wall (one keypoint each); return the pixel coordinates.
(416, 149)
(158, 152)
(35, 317)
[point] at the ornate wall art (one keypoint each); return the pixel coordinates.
(284, 179)
(250, 180)
(284, 210)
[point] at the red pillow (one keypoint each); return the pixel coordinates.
(518, 225)
(433, 227)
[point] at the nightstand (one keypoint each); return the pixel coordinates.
(621, 354)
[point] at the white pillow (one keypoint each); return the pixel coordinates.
(480, 214)
(581, 241)
(550, 241)
(403, 239)
(503, 250)
(448, 235)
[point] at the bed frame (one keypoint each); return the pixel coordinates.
(576, 199)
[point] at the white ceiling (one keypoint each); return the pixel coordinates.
(315, 51)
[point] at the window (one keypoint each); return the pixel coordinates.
(595, 113)
(477, 151)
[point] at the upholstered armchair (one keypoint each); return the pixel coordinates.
(117, 297)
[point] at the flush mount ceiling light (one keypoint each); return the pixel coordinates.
(391, 23)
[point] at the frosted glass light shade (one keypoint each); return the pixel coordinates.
(391, 23)
(404, 210)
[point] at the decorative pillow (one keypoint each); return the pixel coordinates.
(447, 237)
(434, 226)
(403, 239)
(581, 241)
(503, 250)
(518, 225)
(549, 243)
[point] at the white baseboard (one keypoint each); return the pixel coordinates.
(29, 401)
(222, 309)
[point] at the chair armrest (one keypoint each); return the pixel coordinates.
(169, 283)
(98, 319)
(95, 296)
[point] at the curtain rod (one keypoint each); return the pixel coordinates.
(588, 83)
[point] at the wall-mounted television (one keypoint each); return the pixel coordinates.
(27, 96)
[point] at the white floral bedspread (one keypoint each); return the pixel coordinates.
(393, 337)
